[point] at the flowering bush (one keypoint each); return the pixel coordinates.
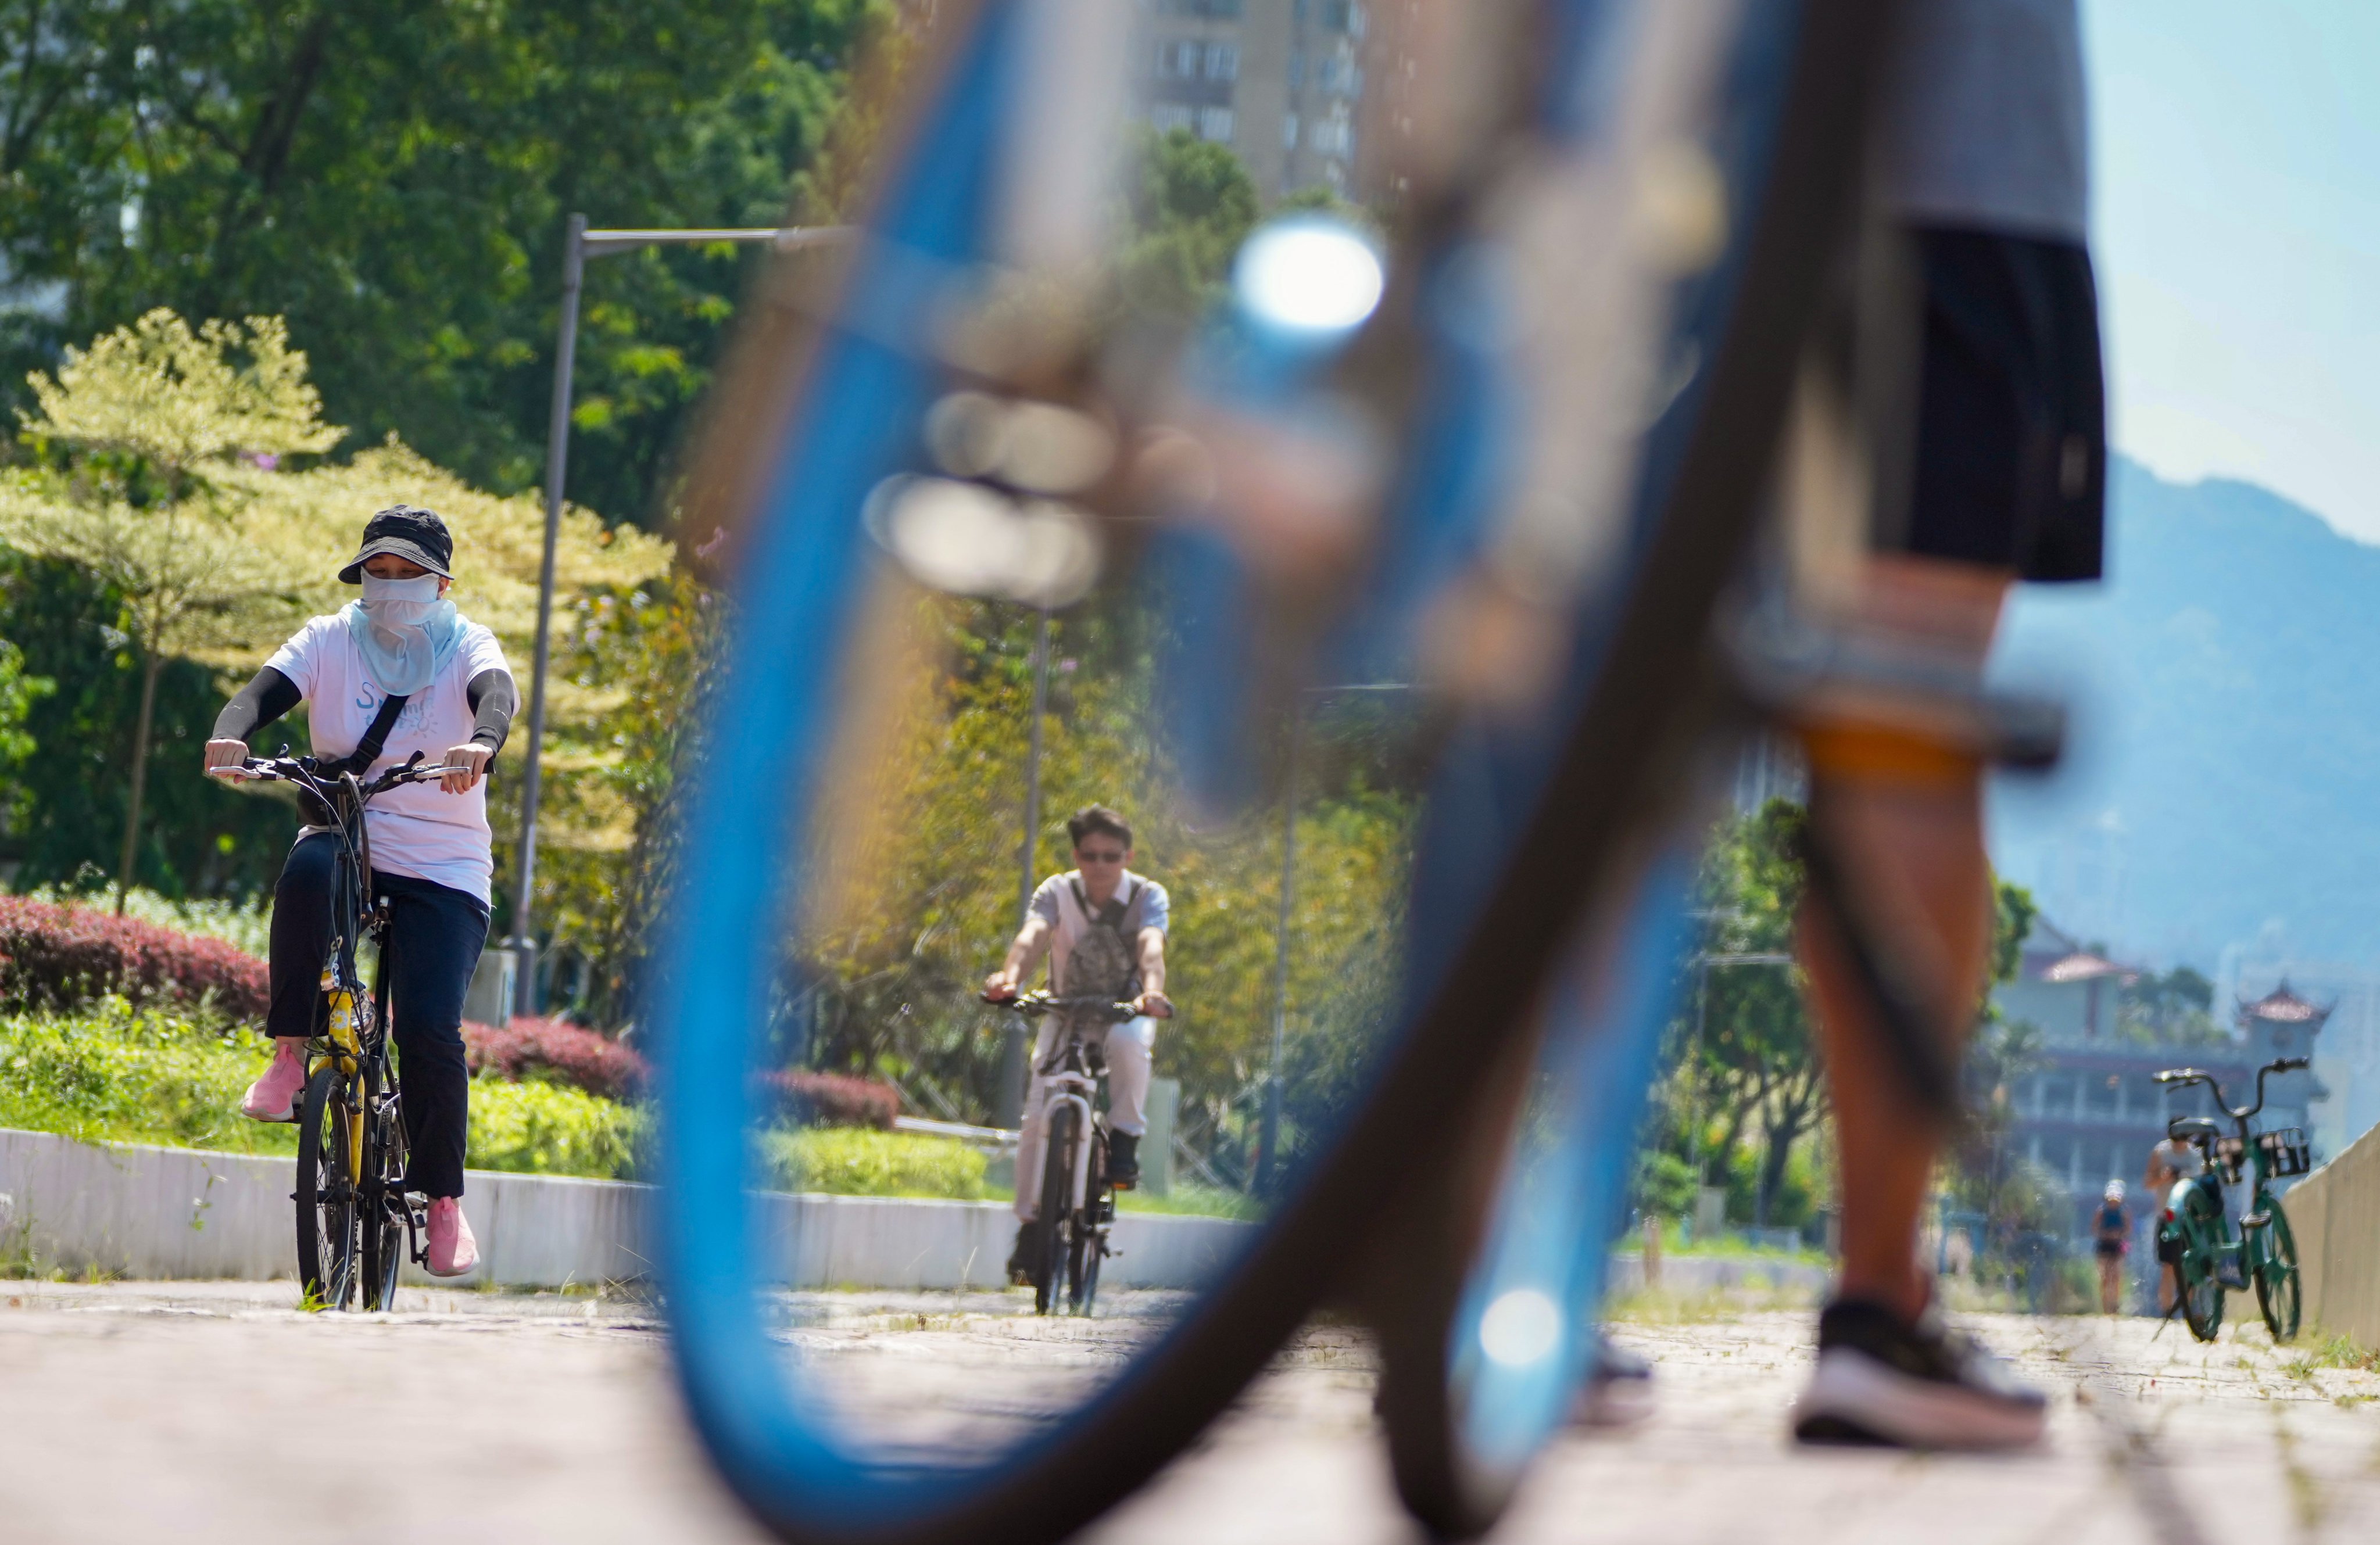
(56, 958)
(808, 1099)
(551, 1051)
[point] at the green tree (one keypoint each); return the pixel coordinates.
(393, 177)
(158, 484)
(141, 430)
(1191, 203)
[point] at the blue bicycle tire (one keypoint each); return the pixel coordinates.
(798, 554)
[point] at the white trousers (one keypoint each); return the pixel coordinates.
(1128, 1047)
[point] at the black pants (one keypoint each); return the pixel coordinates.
(434, 937)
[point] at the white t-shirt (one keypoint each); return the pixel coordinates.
(1145, 906)
(419, 829)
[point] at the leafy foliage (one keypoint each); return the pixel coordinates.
(848, 1161)
(1191, 204)
(2175, 1008)
(394, 177)
(544, 1129)
(115, 1071)
(56, 956)
(202, 544)
(554, 1050)
(805, 1098)
(923, 881)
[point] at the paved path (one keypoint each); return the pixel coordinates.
(139, 1412)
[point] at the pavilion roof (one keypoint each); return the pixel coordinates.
(2284, 1007)
(2083, 966)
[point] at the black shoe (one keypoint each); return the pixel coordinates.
(1882, 1381)
(1123, 1160)
(1020, 1258)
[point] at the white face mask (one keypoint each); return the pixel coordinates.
(407, 631)
(399, 603)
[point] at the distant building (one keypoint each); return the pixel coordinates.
(1280, 81)
(2092, 1109)
(2277, 1025)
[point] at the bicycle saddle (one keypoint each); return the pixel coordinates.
(2190, 1129)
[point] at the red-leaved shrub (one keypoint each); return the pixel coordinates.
(57, 957)
(831, 1099)
(567, 1052)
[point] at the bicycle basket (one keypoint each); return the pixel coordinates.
(2286, 1151)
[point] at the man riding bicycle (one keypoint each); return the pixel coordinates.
(402, 671)
(1103, 928)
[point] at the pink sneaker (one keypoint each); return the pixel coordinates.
(453, 1252)
(273, 1097)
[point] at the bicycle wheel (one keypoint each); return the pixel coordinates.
(384, 1217)
(1517, 811)
(1054, 1223)
(2276, 1274)
(1083, 1250)
(2199, 1271)
(1485, 1346)
(329, 1231)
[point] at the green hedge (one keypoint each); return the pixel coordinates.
(153, 1074)
(854, 1161)
(117, 1073)
(120, 1074)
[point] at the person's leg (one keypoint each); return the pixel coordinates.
(434, 937)
(1904, 820)
(1912, 838)
(1033, 1129)
(1129, 1067)
(301, 937)
(1032, 1136)
(2110, 1288)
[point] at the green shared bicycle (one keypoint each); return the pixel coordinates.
(2194, 1234)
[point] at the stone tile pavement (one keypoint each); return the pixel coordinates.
(135, 1412)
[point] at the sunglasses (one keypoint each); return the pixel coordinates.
(1088, 856)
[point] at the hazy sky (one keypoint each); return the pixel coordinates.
(2236, 232)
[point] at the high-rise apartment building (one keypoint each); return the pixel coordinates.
(1280, 81)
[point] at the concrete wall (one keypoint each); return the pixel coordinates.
(178, 1212)
(2334, 1213)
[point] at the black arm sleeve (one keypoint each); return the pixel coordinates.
(256, 705)
(494, 701)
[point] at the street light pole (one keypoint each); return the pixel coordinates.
(579, 244)
(557, 464)
(1008, 1110)
(1269, 1137)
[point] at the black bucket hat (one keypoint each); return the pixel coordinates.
(410, 532)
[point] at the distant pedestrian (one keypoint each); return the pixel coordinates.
(2111, 1233)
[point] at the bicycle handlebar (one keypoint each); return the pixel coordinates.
(2241, 1113)
(1035, 1003)
(309, 774)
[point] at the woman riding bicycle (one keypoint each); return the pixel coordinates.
(430, 847)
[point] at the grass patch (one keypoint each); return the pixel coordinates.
(856, 1161)
(152, 1074)
(1190, 1200)
(1727, 1247)
(115, 1073)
